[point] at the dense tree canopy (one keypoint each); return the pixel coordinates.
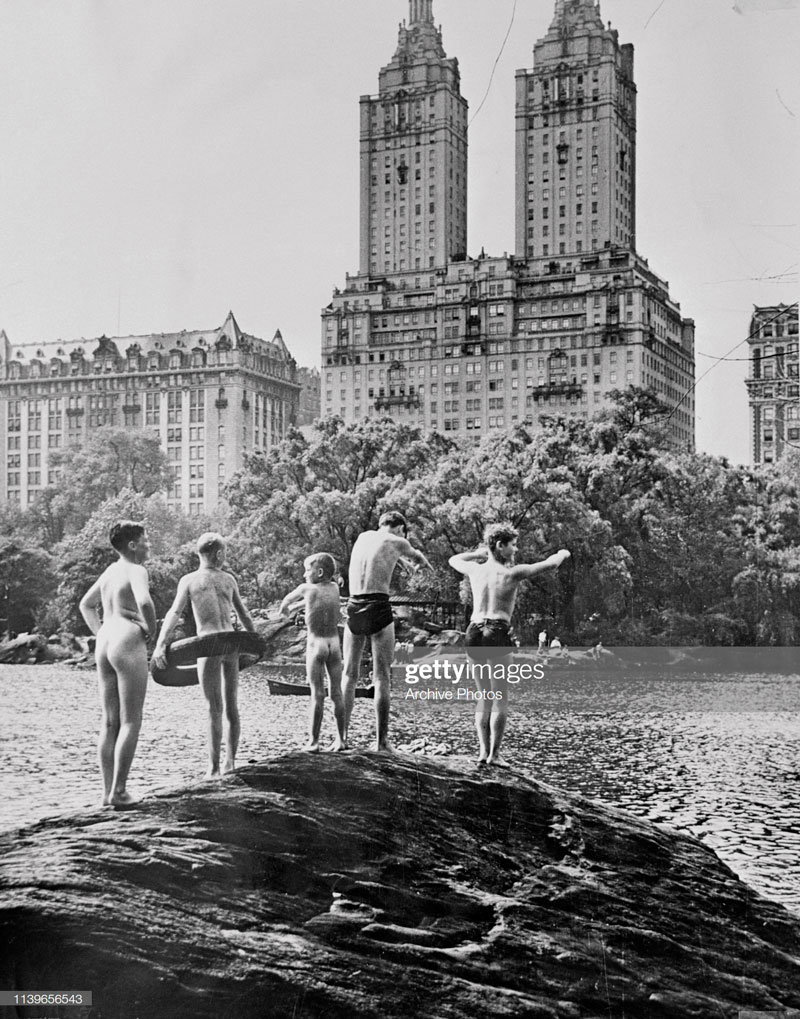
(80, 558)
(111, 461)
(318, 494)
(26, 580)
(667, 547)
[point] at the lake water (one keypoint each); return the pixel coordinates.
(718, 756)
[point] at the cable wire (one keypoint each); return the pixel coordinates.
(497, 61)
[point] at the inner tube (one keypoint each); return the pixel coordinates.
(181, 669)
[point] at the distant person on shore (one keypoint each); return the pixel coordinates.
(555, 644)
(319, 597)
(597, 650)
(542, 642)
(369, 614)
(118, 609)
(494, 579)
(214, 595)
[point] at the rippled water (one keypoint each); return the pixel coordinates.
(717, 756)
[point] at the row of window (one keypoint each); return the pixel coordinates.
(476, 367)
(777, 328)
(614, 377)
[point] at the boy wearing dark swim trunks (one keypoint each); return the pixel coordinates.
(319, 597)
(369, 615)
(214, 595)
(494, 579)
(119, 610)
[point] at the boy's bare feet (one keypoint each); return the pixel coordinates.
(311, 748)
(122, 801)
(384, 747)
(338, 746)
(228, 767)
(498, 762)
(212, 773)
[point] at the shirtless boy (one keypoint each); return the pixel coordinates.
(213, 594)
(319, 596)
(369, 615)
(119, 610)
(495, 579)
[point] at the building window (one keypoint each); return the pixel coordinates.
(174, 407)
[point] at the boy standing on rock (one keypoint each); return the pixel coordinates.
(369, 613)
(119, 610)
(494, 579)
(213, 594)
(319, 596)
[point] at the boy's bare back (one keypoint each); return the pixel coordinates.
(211, 593)
(117, 585)
(322, 609)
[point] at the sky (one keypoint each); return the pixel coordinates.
(165, 162)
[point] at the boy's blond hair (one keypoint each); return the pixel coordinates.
(324, 561)
(209, 543)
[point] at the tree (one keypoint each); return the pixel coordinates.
(26, 581)
(318, 494)
(80, 558)
(112, 460)
(516, 477)
(639, 409)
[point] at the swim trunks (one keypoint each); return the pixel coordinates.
(368, 614)
(489, 633)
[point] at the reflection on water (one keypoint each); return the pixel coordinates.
(716, 756)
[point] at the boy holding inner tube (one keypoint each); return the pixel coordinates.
(214, 595)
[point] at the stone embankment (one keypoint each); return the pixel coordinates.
(363, 885)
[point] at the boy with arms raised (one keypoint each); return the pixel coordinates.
(495, 579)
(119, 610)
(213, 594)
(319, 596)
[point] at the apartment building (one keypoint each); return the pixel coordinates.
(211, 396)
(773, 386)
(469, 345)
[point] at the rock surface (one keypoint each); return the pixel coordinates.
(363, 885)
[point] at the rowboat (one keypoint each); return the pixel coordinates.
(281, 688)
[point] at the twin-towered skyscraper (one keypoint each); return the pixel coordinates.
(470, 345)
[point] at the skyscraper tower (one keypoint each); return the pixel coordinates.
(576, 139)
(427, 334)
(414, 155)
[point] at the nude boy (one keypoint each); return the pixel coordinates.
(319, 596)
(119, 610)
(369, 614)
(214, 595)
(495, 579)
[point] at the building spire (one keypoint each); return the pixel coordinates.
(420, 11)
(570, 13)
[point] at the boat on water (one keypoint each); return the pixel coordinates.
(288, 678)
(282, 688)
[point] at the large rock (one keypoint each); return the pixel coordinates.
(362, 885)
(26, 649)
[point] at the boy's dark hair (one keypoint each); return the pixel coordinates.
(393, 519)
(325, 562)
(123, 532)
(500, 533)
